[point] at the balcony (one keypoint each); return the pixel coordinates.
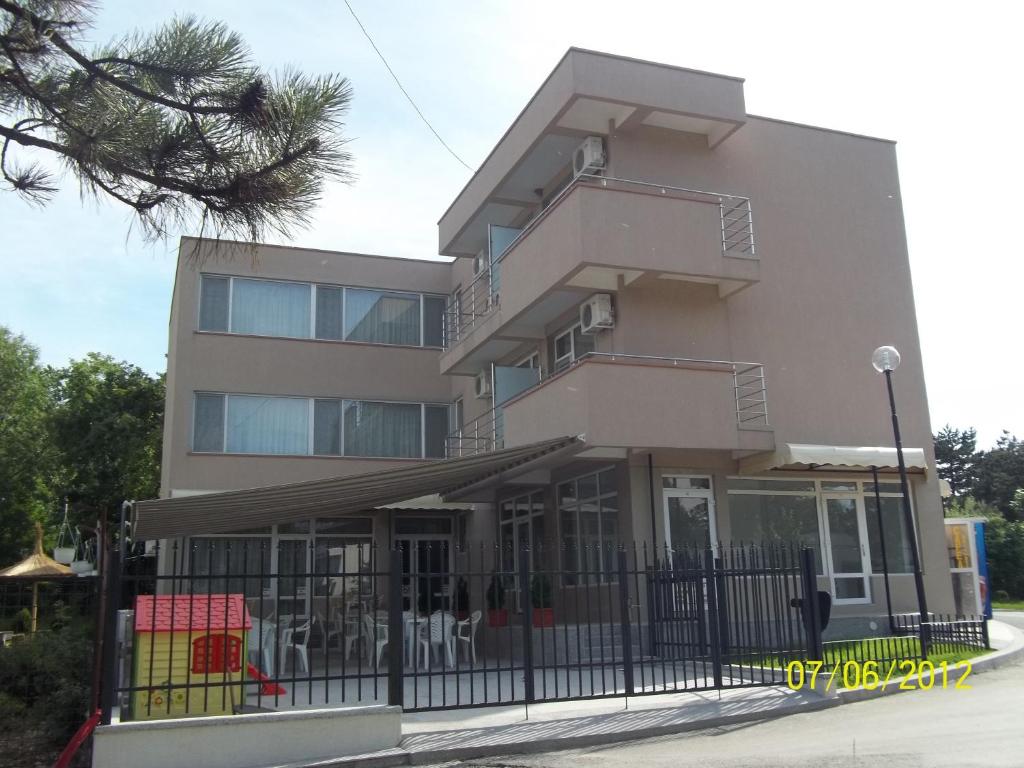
(598, 234)
(632, 401)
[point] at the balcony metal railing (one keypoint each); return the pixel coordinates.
(475, 301)
(486, 431)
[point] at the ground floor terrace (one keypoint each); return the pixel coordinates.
(545, 572)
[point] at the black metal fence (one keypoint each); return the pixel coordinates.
(236, 625)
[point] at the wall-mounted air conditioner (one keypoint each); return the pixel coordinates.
(596, 313)
(589, 156)
(483, 384)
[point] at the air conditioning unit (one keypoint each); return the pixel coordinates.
(596, 313)
(589, 156)
(483, 384)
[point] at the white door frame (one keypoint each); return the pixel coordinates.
(707, 494)
(862, 533)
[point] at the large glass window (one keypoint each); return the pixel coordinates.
(382, 317)
(276, 425)
(233, 564)
(897, 543)
(214, 303)
(281, 426)
(208, 427)
(382, 429)
(269, 308)
(588, 511)
(308, 310)
(765, 518)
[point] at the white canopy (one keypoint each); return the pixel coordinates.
(839, 457)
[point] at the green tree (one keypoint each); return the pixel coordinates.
(1000, 472)
(108, 423)
(955, 453)
(173, 123)
(26, 447)
(1004, 543)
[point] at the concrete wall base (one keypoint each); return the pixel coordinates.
(250, 740)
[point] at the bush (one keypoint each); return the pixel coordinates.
(46, 679)
(1001, 596)
(1004, 544)
(540, 591)
(22, 621)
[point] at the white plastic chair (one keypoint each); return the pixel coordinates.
(465, 632)
(436, 632)
(297, 639)
(261, 643)
(377, 634)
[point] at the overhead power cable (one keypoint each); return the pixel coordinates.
(405, 92)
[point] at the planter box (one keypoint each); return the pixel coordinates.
(543, 617)
(497, 617)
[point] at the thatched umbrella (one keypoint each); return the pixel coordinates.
(37, 566)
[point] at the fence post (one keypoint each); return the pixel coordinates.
(812, 611)
(108, 690)
(526, 600)
(711, 593)
(627, 633)
(396, 631)
(984, 631)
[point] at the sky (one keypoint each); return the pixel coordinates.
(941, 79)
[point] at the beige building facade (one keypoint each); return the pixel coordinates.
(692, 291)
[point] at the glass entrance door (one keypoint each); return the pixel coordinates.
(847, 551)
(689, 512)
(426, 568)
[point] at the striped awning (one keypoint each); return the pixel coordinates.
(256, 507)
(800, 456)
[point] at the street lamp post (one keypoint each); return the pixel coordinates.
(886, 360)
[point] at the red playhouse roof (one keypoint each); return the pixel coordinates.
(196, 613)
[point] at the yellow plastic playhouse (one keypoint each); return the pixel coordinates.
(189, 655)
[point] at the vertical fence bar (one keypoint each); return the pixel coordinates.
(113, 602)
(809, 577)
(396, 632)
(713, 619)
(624, 623)
(526, 600)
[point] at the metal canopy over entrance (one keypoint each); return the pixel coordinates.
(839, 457)
(255, 507)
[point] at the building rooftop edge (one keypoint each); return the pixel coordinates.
(443, 261)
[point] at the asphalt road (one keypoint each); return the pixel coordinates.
(982, 726)
(1016, 618)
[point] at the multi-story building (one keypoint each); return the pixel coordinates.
(690, 291)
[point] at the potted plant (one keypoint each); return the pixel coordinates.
(540, 594)
(461, 600)
(497, 614)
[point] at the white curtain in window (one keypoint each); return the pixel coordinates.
(269, 308)
(382, 318)
(382, 429)
(275, 425)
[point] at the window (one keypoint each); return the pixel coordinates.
(274, 425)
(794, 510)
(382, 429)
(270, 308)
(333, 313)
(434, 308)
(570, 346)
(897, 542)
(588, 511)
(208, 430)
(532, 360)
(231, 563)
(297, 426)
(382, 317)
(762, 517)
(214, 303)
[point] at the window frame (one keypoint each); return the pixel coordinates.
(862, 491)
(311, 433)
(421, 297)
(608, 574)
